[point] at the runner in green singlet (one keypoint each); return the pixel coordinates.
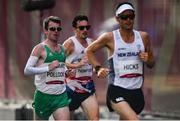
(47, 63)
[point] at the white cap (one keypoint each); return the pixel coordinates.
(124, 7)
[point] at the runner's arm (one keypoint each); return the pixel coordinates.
(95, 46)
(101, 42)
(30, 68)
(69, 48)
(150, 62)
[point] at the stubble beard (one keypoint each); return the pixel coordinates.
(84, 35)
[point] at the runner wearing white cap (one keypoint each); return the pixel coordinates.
(124, 7)
(128, 51)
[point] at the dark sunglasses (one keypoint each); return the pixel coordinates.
(125, 17)
(83, 27)
(55, 28)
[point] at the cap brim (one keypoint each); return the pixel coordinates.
(124, 8)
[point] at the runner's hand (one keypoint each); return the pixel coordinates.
(53, 65)
(143, 56)
(103, 72)
(83, 62)
(71, 73)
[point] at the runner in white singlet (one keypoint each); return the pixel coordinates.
(128, 51)
(80, 85)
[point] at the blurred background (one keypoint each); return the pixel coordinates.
(21, 30)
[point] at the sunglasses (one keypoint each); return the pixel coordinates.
(55, 28)
(125, 17)
(83, 27)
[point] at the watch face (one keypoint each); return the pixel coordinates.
(97, 68)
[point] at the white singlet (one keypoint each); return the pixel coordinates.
(126, 69)
(77, 55)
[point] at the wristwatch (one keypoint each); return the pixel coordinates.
(97, 68)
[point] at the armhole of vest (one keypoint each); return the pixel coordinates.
(46, 50)
(114, 37)
(73, 39)
(138, 33)
(46, 47)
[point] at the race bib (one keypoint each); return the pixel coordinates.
(129, 67)
(57, 74)
(84, 71)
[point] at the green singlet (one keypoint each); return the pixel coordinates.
(51, 56)
(45, 104)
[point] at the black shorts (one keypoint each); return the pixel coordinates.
(134, 98)
(77, 98)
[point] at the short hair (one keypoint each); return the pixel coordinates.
(123, 4)
(54, 19)
(79, 18)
